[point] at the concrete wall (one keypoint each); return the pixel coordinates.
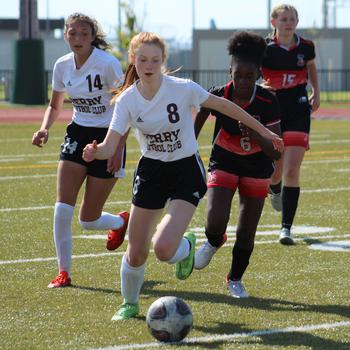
(53, 49)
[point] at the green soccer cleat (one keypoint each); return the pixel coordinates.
(126, 311)
(185, 267)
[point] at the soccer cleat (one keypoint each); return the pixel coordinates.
(116, 237)
(236, 289)
(185, 267)
(276, 200)
(126, 311)
(286, 236)
(205, 253)
(62, 280)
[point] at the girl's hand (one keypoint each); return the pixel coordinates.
(89, 151)
(114, 163)
(40, 137)
(314, 101)
(276, 140)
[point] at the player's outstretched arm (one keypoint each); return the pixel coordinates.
(235, 112)
(103, 150)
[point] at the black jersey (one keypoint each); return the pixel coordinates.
(233, 152)
(285, 68)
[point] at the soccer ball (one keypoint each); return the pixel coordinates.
(169, 319)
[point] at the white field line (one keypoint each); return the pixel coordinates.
(5, 178)
(345, 170)
(320, 190)
(82, 256)
(42, 155)
(44, 207)
(325, 161)
(323, 142)
(97, 255)
(233, 336)
(9, 158)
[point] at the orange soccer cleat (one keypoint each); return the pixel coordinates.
(62, 280)
(116, 237)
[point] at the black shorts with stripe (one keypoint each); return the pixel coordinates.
(295, 109)
(156, 182)
(76, 138)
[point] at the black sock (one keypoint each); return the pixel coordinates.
(290, 197)
(276, 188)
(240, 262)
(215, 240)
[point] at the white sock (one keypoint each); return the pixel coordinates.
(182, 252)
(62, 228)
(131, 281)
(106, 221)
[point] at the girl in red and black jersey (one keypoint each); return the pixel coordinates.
(240, 158)
(288, 66)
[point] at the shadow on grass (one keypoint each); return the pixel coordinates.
(267, 304)
(147, 285)
(238, 334)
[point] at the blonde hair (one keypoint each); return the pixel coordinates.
(131, 75)
(99, 41)
(280, 8)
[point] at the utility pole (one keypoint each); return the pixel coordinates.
(325, 13)
(29, 82)
(268, 14)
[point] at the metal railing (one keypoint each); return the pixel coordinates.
(334, 84)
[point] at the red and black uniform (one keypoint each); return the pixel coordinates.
(285, 72)
(239, 155)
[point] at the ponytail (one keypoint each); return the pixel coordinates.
(130, 77)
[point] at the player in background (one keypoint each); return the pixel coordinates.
(159, 108)
(87, 75)
(240, 159)
(288, 66)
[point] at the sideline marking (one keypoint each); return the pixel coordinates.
(319, 190)
(44, 207)
(300, 230)
(233, 336)
(96, 255)
(336, 246)
(82, 256)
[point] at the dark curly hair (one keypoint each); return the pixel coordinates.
(247, 46)
(99, 41)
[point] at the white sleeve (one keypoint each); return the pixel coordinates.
(120, 119)
(114, 73)
(198, 94)
(57, 82)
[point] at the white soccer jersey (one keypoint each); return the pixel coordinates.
(164, 124)
(89, 87)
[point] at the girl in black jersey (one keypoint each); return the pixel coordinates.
(240, 159)
(288, 66)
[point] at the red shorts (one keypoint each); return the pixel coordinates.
(248, 186)
(296, 138)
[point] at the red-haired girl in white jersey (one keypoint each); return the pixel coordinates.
(87, 75)
(159, 107)
(288, 67)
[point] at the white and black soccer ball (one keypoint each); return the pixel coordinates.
(169, 319)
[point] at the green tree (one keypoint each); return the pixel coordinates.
(129, 28)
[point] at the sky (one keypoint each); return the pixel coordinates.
(175, 20)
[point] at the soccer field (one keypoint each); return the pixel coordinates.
(300, 295)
